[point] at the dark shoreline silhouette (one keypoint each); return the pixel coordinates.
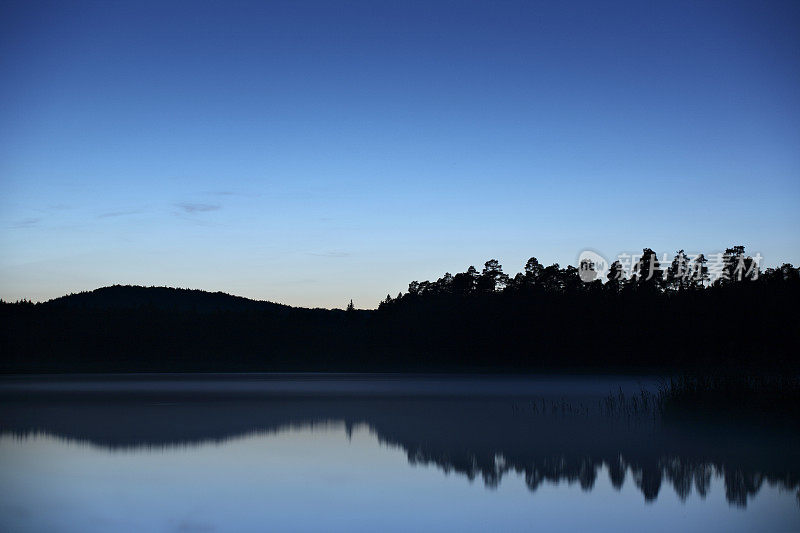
(662, 318)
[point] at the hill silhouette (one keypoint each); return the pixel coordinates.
(163, 298)
(659, 318)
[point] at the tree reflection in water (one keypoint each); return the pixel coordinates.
(483, 437)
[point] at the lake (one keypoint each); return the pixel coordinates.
(336, 452)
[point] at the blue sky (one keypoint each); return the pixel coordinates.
(309, 153)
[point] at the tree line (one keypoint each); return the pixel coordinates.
(647, 274)
(655, 317)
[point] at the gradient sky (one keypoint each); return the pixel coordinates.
(309, 153)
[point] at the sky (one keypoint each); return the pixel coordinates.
(310, 153)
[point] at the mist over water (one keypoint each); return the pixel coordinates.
(401, 453)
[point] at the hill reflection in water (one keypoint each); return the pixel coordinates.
(487, 434)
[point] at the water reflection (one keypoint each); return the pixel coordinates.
(480, 436)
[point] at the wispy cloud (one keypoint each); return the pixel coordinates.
(189, 207)
(111, 214)
(243, 194)
(26, 222)
(333, 253)
(194, 526)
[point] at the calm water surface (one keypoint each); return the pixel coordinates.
(378, 453)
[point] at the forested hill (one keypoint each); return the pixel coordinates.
(163, 298)
(671, 316)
